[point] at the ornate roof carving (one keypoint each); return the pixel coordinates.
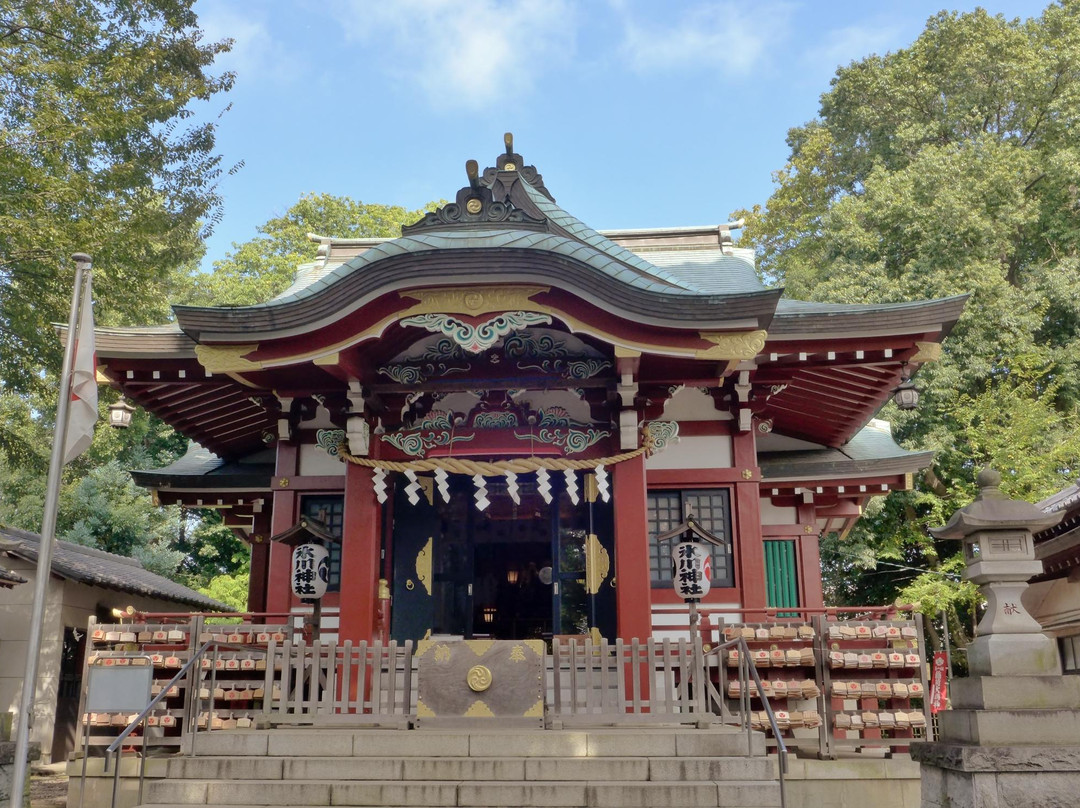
(511, 161)
(475, 208)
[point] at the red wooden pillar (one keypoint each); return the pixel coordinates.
(633, 607)
(360, 548)
(749, 544)
(811, 596)
(279, 589)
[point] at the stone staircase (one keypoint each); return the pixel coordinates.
(371, 767)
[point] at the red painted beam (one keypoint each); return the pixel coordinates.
(632, 580)
(360, 551)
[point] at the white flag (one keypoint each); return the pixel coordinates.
(83, 409)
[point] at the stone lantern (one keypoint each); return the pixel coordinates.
(1012, 737)
(1000, 556)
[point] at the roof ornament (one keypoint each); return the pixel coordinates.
(509, 161)
(475, 208)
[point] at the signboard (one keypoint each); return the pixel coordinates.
(310, 570)
(691, 570)
(118, 689)
(939, 682)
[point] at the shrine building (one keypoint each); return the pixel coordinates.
(490, 418)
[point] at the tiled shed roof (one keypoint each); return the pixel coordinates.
(97, 568)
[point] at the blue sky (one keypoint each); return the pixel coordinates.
(638, 113)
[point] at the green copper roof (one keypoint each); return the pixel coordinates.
(614, 266)
(871, 450)
(585, 234)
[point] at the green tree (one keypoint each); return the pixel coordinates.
(99, 153)
(263, 267)
(951, 166)
(209, 548)
(229, 589)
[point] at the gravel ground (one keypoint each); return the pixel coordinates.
(48, 790)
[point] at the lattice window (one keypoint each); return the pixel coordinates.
(712, 510)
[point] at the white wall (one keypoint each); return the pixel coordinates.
(694, 452)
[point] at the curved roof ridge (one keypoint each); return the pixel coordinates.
(791, 307)
(431, 241)
(580, 231)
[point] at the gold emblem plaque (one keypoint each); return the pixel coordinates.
(479, 678)
(472, 680)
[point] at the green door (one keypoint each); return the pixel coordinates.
(781, 575)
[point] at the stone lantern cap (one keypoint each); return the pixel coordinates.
(992, 510)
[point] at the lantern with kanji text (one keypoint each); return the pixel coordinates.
(691, 570)
(310, 570)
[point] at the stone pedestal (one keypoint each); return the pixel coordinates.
(1013, 735)
(1008, 741)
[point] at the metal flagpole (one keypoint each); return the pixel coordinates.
(48, 530)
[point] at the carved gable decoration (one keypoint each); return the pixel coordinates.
(508, 166)
(551, 426)
(532, 349)
(475, 208)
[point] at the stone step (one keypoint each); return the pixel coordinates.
(586, 794)
(618, 769)
(646, 742)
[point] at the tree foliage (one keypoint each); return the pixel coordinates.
(98, 154)
(949, 167)
(263, 267)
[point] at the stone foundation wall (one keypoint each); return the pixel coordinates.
(853, 783)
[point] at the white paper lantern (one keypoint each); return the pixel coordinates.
(691, 570)
(310, 570)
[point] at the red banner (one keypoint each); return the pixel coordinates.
(939, 681)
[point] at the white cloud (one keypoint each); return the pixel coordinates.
(255, 53)
(464, 52)
(734, 38)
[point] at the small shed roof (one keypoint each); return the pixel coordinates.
(872, 450)
(97, 568)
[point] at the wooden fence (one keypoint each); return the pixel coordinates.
(325, 683)
(586, 683)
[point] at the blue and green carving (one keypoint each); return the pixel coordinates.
(477, 338)
(437, 429)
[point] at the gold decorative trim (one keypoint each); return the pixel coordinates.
(327, 360)
(597, 564)
(478, 678)
(739, 345)
(423, 711)
(423, 565)
(622, 352)
(472, 301)
(226, 358)
(536, 711)
(928, 352)
(479, 647)
(100, 377)
(479, 710)
(591, 489)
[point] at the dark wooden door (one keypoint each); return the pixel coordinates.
(67, 696)
(417, 532)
